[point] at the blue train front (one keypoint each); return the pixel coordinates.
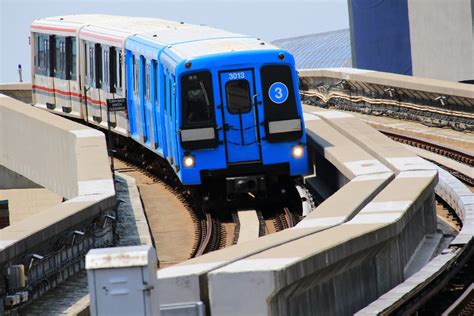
(228, 123)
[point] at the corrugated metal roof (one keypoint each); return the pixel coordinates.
(323, 50)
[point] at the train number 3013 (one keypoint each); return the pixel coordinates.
(236, 75)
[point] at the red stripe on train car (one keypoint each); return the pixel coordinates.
(103, 37)
(52, 28)
(89, 99)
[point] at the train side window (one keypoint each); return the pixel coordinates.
(91, 65)
(105, 68)
(197, 99)
(73, 71)
(51, 45)
(143, 76)
(86, 63)
(147, 83)
(42, 55)
(119, 60)
(154, 73)
(165, 85)
(136, 76)
(113, 70)
(170, 95)
(60, 58)
(70, 71)
(98, 66)
(238, 96)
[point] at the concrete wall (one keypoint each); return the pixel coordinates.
(53, 152)
(18, 91)
(441, 33)
(66, 158)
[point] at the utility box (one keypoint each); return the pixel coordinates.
(123, 281)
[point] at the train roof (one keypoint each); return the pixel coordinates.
(185, 40)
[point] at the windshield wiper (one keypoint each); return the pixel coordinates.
(203, 88)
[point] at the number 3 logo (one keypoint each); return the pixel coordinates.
(278, 92)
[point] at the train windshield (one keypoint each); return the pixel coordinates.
(197, 99)
(238, 96)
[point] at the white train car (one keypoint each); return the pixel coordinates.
(78, 62)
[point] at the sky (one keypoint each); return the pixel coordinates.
(267, 19)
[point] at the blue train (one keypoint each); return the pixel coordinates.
(222, 108)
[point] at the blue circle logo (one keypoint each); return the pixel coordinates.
(278, 92)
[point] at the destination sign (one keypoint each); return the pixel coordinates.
(117, 105)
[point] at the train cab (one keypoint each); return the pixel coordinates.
(241, 128)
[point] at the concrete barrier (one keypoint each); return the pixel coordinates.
(435, 102)
(362, 177)
(440, 87)
(20, 91)
(66, 158)
(363, 209)
(340, 269)
(461, 199)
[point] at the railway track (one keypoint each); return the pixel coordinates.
(210, 231)
(210, 235)
(440, 149)
(217, 231)
(450, 283)
(164, 208)
(443, 150)
(464, 306)
(448, 215)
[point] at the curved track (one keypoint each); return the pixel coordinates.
(169, 215)
(443, 150)
(180, 228)
(436, 295)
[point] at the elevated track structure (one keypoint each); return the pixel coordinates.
(432, 102)
(45, 249)
(362, 248)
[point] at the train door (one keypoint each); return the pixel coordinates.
(107, 87)
(121, 118)
(62, 94)
(155, 104)
(162, 119)
(93, 82)
(145, 100)
(44, 73)
(169, 117)
(175, 123)
(134, 110)
(240, 116)
(74, 84)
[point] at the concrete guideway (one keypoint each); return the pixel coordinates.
(371, 210)
(19, 91)
(72, 296)
(348, 263)
(249, 225)
(386, 79)
(432, 102)
(181, 283)
(461, 199)
(68, 159)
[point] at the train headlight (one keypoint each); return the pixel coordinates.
(297, 151)
(188, 161)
